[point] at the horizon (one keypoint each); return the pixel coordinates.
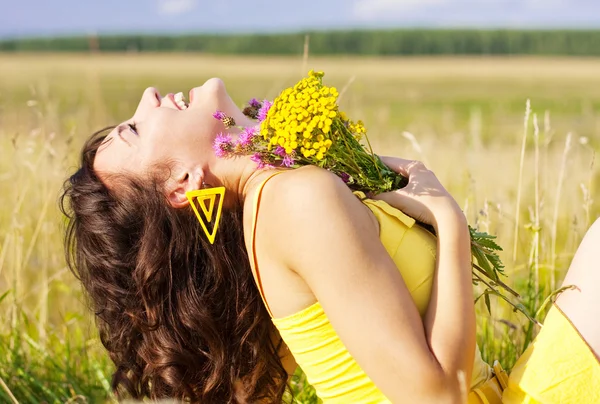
(37, 18)
(288, 32)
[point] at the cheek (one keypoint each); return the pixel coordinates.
(179, 136)
(169, 144)
(157, 153)
(197, 127)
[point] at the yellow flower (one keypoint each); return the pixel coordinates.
(306, 111)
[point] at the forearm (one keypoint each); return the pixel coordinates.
(450, 317)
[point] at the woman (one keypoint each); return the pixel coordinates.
(301, 271)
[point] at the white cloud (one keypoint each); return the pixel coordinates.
(545, 4)
(368, 9)
(176, 7)
(374, 8)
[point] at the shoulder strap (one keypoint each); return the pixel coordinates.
(257, 200)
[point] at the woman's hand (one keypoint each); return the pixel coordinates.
(424, 198)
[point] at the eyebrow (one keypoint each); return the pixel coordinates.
(119, 129)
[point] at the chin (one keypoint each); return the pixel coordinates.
(215, 84)
(211, 92)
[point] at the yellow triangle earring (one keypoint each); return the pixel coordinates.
(207, 198)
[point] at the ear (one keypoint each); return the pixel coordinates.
(184, 181)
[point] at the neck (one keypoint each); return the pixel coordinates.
(239, 175)
(248, 179)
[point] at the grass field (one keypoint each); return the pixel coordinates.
(533, 185)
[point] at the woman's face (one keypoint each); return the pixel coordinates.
(163, 132)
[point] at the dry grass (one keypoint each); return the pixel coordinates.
(466, 115)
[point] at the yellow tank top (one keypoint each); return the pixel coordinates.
(318, 350)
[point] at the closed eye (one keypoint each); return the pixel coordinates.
(133, 128)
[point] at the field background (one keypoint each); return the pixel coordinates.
(465, 117)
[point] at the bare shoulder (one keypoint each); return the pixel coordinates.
(308, 183)
(308, 193)
(309, 205)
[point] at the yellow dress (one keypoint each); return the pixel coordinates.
(558, 367)
(338, 378)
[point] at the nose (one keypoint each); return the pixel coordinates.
(150, 99)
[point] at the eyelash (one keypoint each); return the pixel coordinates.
(133, 127)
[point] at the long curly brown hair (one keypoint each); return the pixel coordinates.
(180, 318)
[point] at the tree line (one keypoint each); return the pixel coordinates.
(352, 42)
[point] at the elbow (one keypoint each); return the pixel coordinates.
(445, 389)
(447, 395)
(436, 388)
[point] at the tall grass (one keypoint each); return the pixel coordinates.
(532, 186)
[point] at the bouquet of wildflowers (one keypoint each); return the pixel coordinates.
(304, 126)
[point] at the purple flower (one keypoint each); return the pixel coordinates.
(222, 145)
(254, 103)
(264, 110)
(247, 136)
(345, 177)
(258, 159)
(220, 115)
(288, 161)
(280, 151)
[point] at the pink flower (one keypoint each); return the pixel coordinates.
(264, 110)
(280, 151)
(220, 115)
(247, 136)
(258, 159)
(288, 161)
(254, 103)
(222, 145)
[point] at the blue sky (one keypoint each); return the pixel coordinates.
(51, 17)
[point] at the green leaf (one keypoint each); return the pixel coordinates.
(4, 295)
(487, 303)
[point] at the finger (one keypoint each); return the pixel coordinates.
(397, 164)
(391, 198)
(406, 205)
(402, 166)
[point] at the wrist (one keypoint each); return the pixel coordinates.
(450, 216)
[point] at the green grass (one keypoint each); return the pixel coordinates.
(466, 116)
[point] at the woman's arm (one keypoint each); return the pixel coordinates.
(332, 242)
(450, 317)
